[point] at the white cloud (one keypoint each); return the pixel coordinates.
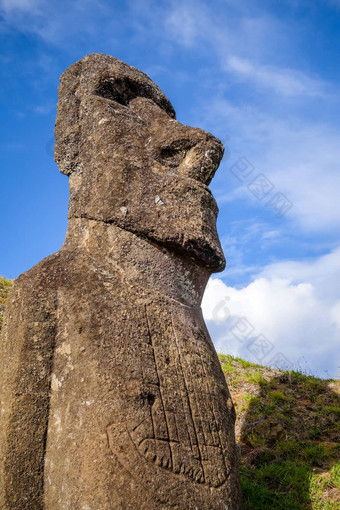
(299, 156)
(59, 22)
(185, 24)
(335, 314)
(242, 45)
(16, 5)
(288, 82)
(293, 304)
(322, 272)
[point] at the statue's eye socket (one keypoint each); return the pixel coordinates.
(173, 154)
(123, 90)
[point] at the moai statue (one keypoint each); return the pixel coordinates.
(112, 395)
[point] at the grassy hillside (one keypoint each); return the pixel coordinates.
(5, 285)
(288, 430)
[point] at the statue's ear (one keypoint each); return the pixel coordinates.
(67, 128)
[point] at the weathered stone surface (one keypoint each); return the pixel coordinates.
(112, 396)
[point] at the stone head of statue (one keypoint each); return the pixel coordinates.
(132, 164)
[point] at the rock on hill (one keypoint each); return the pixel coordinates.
(288, 431)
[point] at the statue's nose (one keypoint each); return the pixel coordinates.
(202, 160)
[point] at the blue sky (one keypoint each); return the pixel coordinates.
(261, 75)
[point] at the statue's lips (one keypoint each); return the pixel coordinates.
(185, 189)
(204, 187)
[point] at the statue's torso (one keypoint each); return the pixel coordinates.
(137, 398)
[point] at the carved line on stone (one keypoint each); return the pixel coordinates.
(191, 470)
(187, 411)
(136, 447)
(185, 404)
(186, 389)
(160, 386)
(121, 463)
(213, 411)
(212, 404)
(200, 410)
(171, 441)
(190, 432)
(208, 392)
(203, 420)
(220, 446)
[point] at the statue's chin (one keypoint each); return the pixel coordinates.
(206, 254)
(203, 252)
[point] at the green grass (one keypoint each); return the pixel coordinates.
(335, 475)
(5, 285)
(332, 410)
(319, 485)
(279, 485)
(288, 433)
(277, 397)
(229, 360)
